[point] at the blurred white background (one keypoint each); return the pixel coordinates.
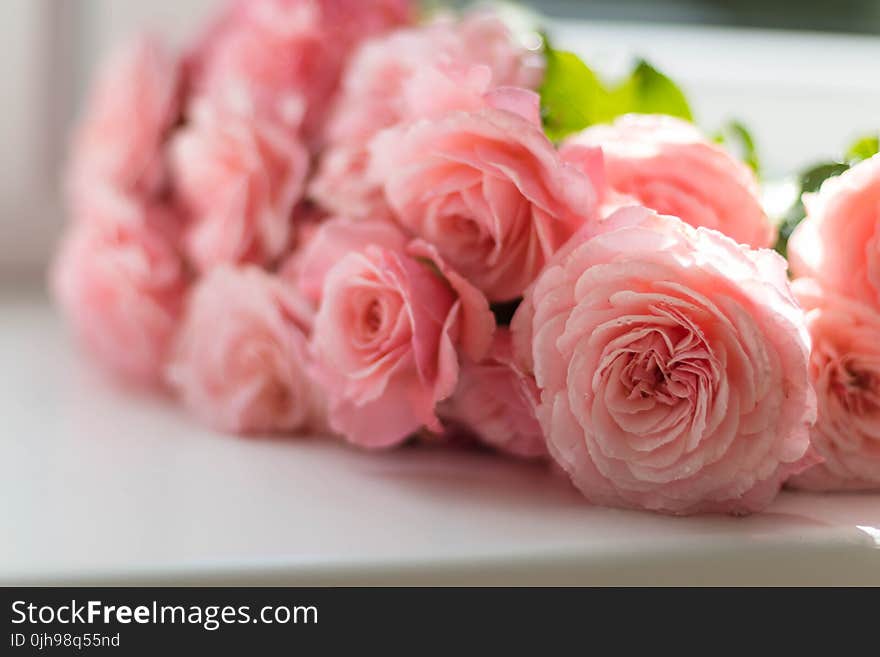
(804, 94)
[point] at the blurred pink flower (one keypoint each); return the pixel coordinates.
(387, 335)
(238, 179)
(120, 284)
(838, 244)
(133, 104)
(283, 58)
(845, 371)
(668, 165)
(241, 358)
(672, 365)
(496, 402)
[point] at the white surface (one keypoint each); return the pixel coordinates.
(99, 486)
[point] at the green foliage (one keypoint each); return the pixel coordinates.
(737, 138)
(863, 148)
(573, 97)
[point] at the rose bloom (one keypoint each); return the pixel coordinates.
(672, 365)
(330, 242)
(373, 88)
(668, 165)
(388, 333)
(120, 285)
(344, 182)
(240, 361)
(487, 188)
(838, 243)
(132, 106)
(411, 73)
(845, 370)
(496, 403)
(238, 179)
(285, 57)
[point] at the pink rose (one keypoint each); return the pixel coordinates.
(672, 365)
(418, 72)
(667, 164)
(387, 336)
(284, 58)
(238, 179)
(373, 94)
(329, 243)
(241, 358)
(845, 371)
(132, 106)
(496, 403)
(344, 182)
(838, 243)
(487, 188)
(120, 285)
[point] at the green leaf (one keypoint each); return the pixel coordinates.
(863, 148)
(570, 94)
(812, 179)
(573, 97)
(736, 137)
(648, 91)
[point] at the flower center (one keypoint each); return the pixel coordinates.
(373, 317)
(856, 388)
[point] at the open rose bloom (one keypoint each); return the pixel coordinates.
(387, 340)
(845, 370)
(668, 165)
(672, 365)
(487, 188)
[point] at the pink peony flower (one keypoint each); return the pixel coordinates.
(845, 371)
(134, 103)
(667, 164)
(283, 58)
(412, 73)
(838, 243)
(239, 179)
(672, 365)
(496, 402)
(240, 362)
(387, 336)
(487, 188)
(120, 285)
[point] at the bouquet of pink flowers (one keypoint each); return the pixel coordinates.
(340, 218)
